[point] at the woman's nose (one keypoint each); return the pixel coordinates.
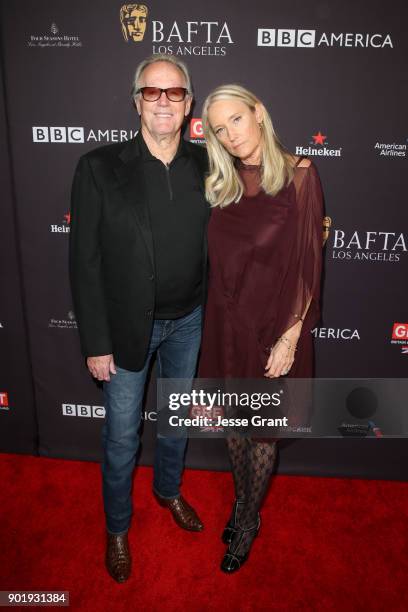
(231, 134)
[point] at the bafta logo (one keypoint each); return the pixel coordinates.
(326, 228)
(133, 18)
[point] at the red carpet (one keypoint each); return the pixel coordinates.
(325, 544)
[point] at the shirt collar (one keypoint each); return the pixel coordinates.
(147, 156)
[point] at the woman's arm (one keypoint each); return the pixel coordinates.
(303, 284)
(283, 352)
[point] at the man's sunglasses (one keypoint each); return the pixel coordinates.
(174, 94)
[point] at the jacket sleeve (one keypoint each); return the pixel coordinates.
(86, 261)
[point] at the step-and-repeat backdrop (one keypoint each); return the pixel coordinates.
(332, 74)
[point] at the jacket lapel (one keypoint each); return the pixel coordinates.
(200, 162)
(132, 184)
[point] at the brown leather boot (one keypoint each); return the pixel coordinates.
(184, 515)
(118, 561)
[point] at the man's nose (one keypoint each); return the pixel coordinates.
(163, 100)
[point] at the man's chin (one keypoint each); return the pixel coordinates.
(164, 129)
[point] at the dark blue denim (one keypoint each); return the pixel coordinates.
(177, 343)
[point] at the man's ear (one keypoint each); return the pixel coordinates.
(136, 101)
(188, 105)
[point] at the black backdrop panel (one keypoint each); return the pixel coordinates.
(18, 429)
(332, 76)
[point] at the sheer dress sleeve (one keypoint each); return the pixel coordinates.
(303, 272)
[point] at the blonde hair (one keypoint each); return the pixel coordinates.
(223, 184)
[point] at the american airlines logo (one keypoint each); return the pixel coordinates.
(78, 135)
(391, 149)
(308, 39)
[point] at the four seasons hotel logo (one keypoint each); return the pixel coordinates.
(133, 18)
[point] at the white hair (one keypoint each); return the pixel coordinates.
(161, 57)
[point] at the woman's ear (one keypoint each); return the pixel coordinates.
(259, 115)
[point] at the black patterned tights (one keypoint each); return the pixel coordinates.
(252, 466)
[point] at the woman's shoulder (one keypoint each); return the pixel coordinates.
(300, 161)
(304, 173)
(303, 162)
(303, 169)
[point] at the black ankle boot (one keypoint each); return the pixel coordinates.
(233, 561)
(231, 526)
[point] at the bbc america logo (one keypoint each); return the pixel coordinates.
(58, 134)
(270, 37)
(286, 38)
(76, 135)
(332, 333)
(83, 410)
(95, 412)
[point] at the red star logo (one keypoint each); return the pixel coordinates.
(67, 217)
(319, 138)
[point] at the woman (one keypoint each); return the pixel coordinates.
(265, 243)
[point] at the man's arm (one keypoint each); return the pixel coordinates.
(85, 261)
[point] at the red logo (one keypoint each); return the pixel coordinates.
(196, 128)
(67, 217)
(400, 331)
(3, 399)
(319, 138)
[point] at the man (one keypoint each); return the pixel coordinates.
(137, 262)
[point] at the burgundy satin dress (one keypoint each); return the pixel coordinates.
(265, 264)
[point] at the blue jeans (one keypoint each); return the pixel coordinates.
(177, 342)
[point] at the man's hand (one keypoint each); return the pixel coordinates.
(101, 367)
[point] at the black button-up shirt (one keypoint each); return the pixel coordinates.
(178, 213)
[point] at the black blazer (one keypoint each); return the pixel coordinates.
(111, 252)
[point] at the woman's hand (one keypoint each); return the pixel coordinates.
(283, 353)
